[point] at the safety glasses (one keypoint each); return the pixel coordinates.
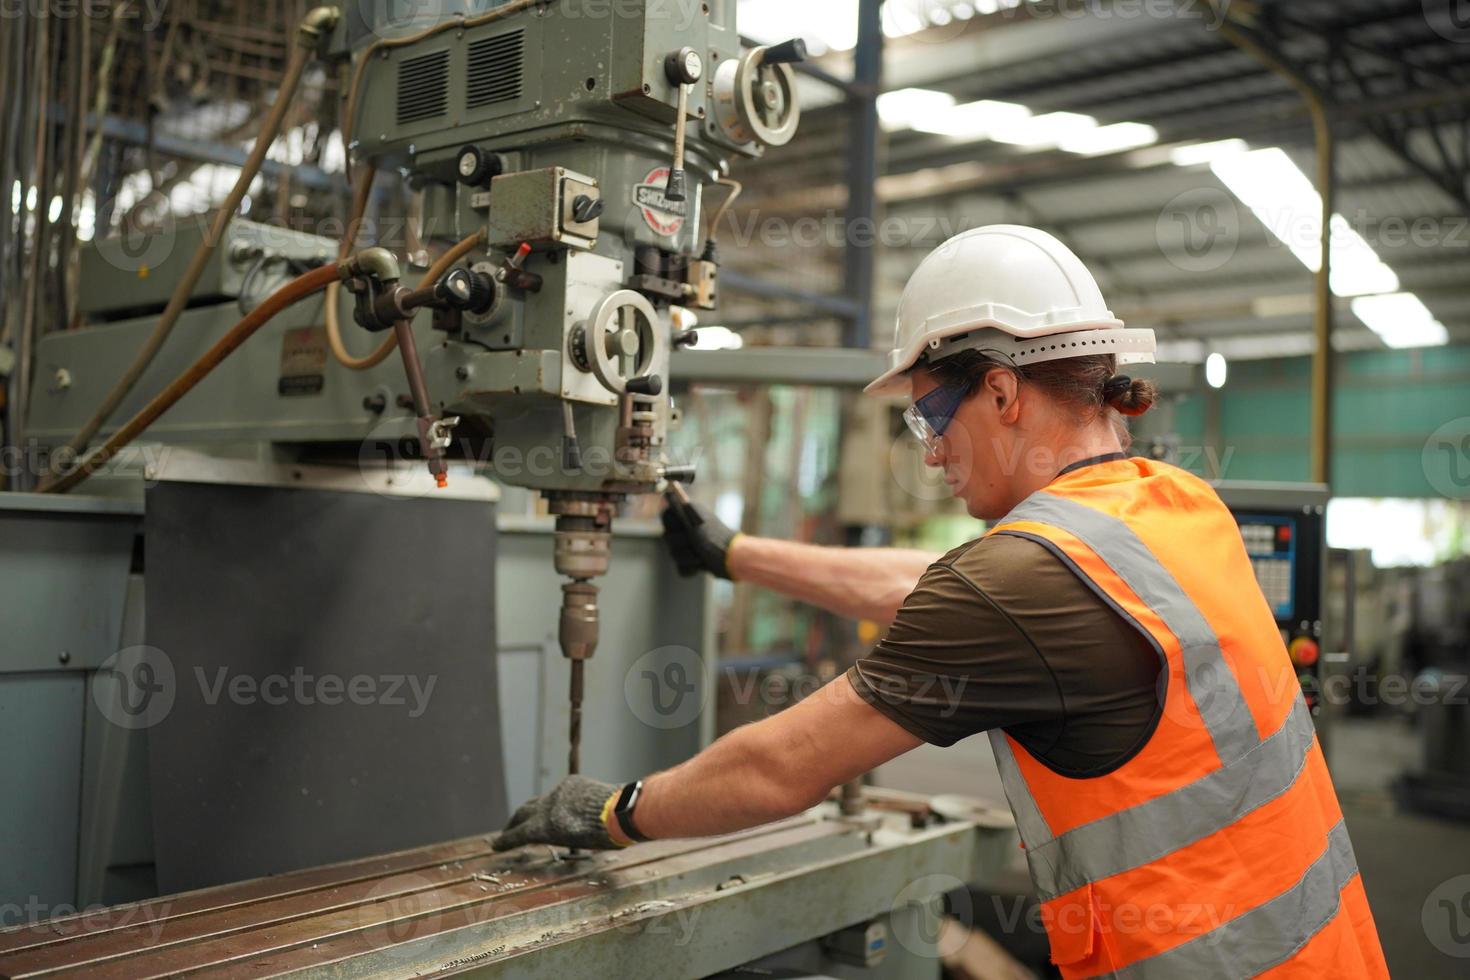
(930, 415)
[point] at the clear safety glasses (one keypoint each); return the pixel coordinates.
(930, 415)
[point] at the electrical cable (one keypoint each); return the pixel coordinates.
(735, 188)
(309, 31)
(293, 291)
(361, 191)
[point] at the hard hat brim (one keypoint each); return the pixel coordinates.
(1129, 345)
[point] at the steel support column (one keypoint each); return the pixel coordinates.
(862, 172)
(1316, 102)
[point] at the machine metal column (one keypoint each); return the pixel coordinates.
(862, 171)
(1317, 106)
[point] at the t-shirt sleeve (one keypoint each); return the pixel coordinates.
(954, 663)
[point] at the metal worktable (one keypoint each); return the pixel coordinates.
(677, 908)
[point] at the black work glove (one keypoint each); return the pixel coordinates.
(698, 540)
(569, 816)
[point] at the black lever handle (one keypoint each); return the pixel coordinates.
(645, 384)
(785, 53)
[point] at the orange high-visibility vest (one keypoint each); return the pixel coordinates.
(1217, 850)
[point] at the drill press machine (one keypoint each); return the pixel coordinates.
(581, 147)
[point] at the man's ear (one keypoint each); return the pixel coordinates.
(1002, 389)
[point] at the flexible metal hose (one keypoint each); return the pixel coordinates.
(361, 190)
(312, 26)
(433, 275)
(292, 292)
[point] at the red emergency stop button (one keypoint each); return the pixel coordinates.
(1304, 651)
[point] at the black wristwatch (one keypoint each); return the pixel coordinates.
(623, 811)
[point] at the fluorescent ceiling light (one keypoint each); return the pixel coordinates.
(1109, 139)
(972, 120)
(1281, 196)
(901, 107)
(1195, 153)
(823, 26)
(1044, 130)
(1401, 319)
(1215, 370)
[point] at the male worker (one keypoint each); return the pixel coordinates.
(1107, 632)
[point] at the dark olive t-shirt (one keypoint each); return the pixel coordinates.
(1001, 633)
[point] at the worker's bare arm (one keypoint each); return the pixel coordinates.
(862, 583)
(772, 768)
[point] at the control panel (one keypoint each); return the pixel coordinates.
(1283, 527)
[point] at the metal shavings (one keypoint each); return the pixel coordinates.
(641, 907)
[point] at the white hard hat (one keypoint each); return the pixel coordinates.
(1010, 289)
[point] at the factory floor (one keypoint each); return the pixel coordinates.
(1403, 856)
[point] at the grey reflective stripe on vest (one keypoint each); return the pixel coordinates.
(1029, 821)
(1208, 678)
(1267, 935)
(1140, 834)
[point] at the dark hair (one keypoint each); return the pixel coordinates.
(1087, 384)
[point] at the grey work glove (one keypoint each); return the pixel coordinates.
(698, 540)
(568, 816)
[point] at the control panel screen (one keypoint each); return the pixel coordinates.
(1271, 543)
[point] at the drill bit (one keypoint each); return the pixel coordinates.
(575, 734)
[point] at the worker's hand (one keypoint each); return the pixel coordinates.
(698, 540)
(571, 815)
